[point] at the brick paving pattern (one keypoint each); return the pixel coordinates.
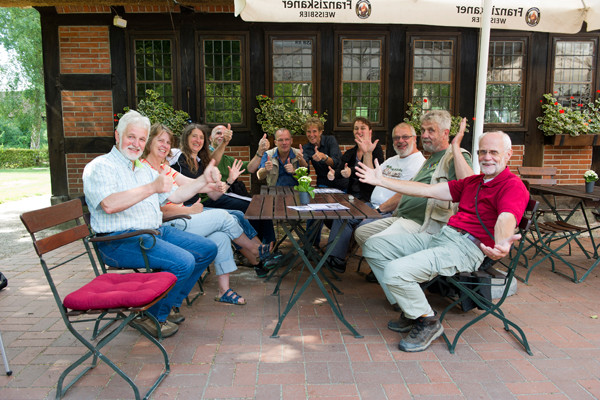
(226, 352)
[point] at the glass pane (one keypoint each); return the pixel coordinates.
(291, 64)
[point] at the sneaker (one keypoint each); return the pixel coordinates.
(402, 324)
(175, 316)
(424, 331)
(371, 278)
(261, 272)
(167, 328)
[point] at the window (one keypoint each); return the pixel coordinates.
(506, 73)
(433, 73)
(222, 79)
(573, 72)
(293, 72)
(361, 83)
(154, 68)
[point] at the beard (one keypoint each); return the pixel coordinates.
(131, 153)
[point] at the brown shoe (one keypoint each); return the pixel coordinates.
(424, 331)
(402, 324)
(175, 316)
(166, 328)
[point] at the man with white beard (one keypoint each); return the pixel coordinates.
(404, 165)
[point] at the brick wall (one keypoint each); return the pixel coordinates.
(214, 9)
(87, 113)
(570, 162)
(241, 153)
(75, 164)
(84, 50)
(517, 158)
(82, 9)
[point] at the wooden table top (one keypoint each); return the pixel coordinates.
(273, 204)
(577, 191)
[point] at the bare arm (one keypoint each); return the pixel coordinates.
(120, 201)
(390, 204)
(461, 166)
(440, 191)
(504, 236)
(220, 150)
(203, 184)
(170, 210)
(263, 145)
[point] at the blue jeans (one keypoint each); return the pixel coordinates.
(183, 254)
(265, 229)
(218, 226)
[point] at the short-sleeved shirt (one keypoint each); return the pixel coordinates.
(113, 173)
(505, 193)
(412, 207)
(168, 171)
(396, 168)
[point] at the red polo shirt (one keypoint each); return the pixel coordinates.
(505, 193)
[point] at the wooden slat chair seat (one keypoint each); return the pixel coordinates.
(472, 287)
(109, 298)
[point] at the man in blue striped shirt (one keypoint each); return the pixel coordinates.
(124, 195)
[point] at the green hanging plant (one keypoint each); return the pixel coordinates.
(415, 111)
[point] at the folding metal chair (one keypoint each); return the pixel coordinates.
(472, 286)
(112, 299)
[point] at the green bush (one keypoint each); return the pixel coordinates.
(23, 158)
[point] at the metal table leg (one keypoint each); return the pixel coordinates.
(313, 275)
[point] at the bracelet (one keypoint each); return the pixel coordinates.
(259, 155)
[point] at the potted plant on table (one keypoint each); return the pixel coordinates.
(590, 180)
(576, 124)
(303, 187)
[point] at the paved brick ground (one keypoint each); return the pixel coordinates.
(225, 351)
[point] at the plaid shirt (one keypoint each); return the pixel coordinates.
(114, 173)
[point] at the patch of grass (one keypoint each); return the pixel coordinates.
(16, 184)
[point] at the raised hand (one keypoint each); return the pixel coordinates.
(195, 208)
(269, 164)
(221, 187)
(289, 168)
(460, 135)
(372, 176)
(163, 183)
(346, 172)
(318, 156)
(365, 144)
(300, 152)
(227, 134)
(331, 173)
(263, 144)
(211, 173)
(235, 170)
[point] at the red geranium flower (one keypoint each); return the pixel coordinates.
(597, 91)
(315, 112)
(473, 118)
(292, 101)
(556, 103)
(541, 101)
(561, 111)
(424, 100)
(572, 97)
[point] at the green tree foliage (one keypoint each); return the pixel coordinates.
(20, 32)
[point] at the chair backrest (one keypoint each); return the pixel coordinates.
(538, 175)
(530, 212)
(40, 220)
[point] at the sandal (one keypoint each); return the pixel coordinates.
(231, 297)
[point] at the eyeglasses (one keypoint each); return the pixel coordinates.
(493, 153)
(405, 138)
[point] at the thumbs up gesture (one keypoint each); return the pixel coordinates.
(318, 156)
(346, 172)
(289, 168)
(227, 134)
(263, 144)
(269, 164)
(163, 183)
(331, 174)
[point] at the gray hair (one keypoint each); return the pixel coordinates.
(405, 125)
(441, 118)
(505, 139)
(135, 118)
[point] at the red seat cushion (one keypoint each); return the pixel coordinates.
(119, 290)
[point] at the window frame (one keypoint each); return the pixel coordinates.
(175, 59)
(552, 57)
(524, 84)
(339, 36)
(315, 36)
(244, 38)
(455, 37)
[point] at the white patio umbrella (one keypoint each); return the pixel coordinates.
(562, 16)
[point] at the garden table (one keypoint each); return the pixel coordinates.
(272, 204)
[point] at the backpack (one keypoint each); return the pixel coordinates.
(3, 281)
